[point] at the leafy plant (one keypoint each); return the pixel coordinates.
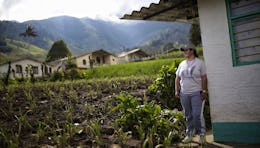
(163, 88)
(147, 121)
(57, 76)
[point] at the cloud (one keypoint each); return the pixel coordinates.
(22, 10)
(6, 6)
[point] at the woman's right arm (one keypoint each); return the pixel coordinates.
(177, 86)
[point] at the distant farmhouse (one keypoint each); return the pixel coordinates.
(24, 67)
(132, 56)
(97, 58)
(19, 68)
(59, 65)
(100, 58)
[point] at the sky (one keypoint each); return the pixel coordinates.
(109, 10)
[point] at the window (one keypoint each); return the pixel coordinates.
(35, 70)
(244, 27)
(98, 60)
(18, 68)
(84, 62)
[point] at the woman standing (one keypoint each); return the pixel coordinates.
(190, 87)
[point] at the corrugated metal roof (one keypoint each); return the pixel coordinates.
(167, 10)
(100, 51)
(133, 51)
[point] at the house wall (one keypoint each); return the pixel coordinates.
(130, 57)
(108, 59)
(23, 63)
(79, 61)
(123, 59)
(112, 59)
(234, 91)
(135, 57)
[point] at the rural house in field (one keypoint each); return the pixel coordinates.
(23, 68)
(97, 58)
(230, 39)
(59, 65)
(132, 56)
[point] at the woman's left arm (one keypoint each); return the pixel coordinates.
(204, 86)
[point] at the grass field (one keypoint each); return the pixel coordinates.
(145, 68)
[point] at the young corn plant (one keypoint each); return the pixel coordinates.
(10, 98)
(70, 129)
(149, 141)
(29, 97)
(50, 114)
(69, 112)
(59, 95)
(42, 129)
(95, 132)
(22, 123)
(123, 136)
(22, 120)
(9, 139)
(60, 135)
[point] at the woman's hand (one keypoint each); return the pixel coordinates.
(203, 95)
(177, 94)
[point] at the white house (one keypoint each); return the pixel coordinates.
(230, 31)
(97, 57)
(22, 68)
(59, 65)
(132, 56)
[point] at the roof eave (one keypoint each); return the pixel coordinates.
(185, 11)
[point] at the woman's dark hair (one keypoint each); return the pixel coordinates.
(194, 52)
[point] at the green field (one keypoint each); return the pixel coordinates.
(20, 50)
(137, 69)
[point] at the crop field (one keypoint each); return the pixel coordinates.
(105, 111)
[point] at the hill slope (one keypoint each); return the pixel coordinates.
(84, 34)
(13, 49)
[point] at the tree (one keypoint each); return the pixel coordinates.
(29, 32)
(58, 50)
(194, 34)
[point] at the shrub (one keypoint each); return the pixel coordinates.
(163, 91)
(147, 121)
(163, 88)
(72, 74)
(57, 76)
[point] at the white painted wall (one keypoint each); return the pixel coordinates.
(24, 63)
(79, 61)
(234, 91)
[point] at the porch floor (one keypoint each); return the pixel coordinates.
(212, 144)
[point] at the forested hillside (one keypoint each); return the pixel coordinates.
(82, 35)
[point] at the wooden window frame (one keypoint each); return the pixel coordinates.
(35, 70)
(232, 19)
(18, 69)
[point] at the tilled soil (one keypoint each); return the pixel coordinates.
(62, 114)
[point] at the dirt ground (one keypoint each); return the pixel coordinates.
(61, 114)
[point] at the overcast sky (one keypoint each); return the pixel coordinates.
(23, 10)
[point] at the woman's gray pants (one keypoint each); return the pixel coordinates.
(193, 106)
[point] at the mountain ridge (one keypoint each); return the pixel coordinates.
(85, 34)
